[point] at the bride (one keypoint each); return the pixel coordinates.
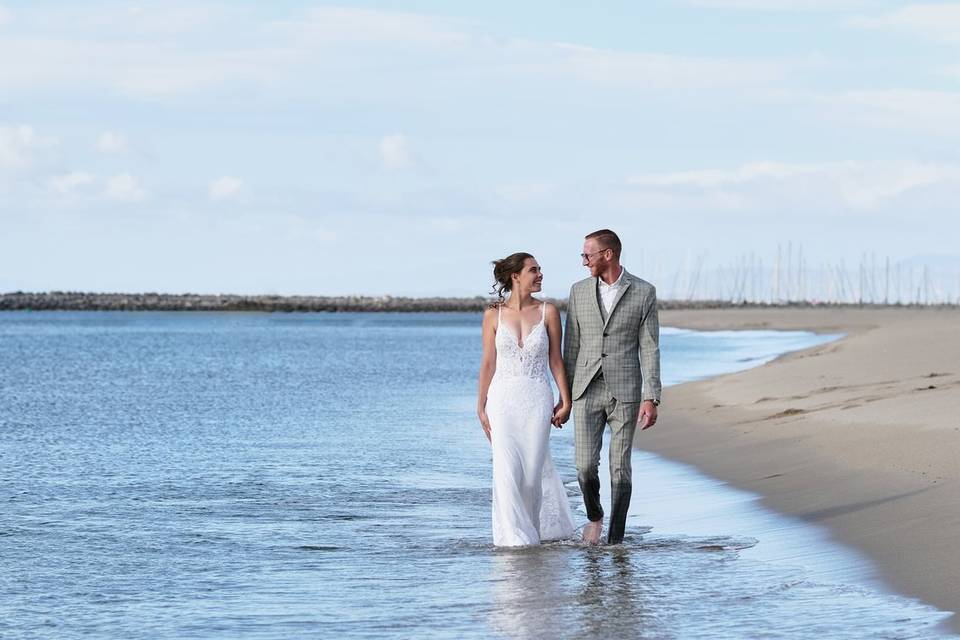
(521, 341)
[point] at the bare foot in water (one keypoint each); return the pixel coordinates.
(591, 532)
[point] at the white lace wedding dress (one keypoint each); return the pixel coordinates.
(530, 504)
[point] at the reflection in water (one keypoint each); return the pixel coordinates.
(527, 589)
(611, 594)
(676, 586)
(564, 590)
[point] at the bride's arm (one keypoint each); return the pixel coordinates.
(488, 366)
(561, 413)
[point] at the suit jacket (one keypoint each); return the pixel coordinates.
(625, 344)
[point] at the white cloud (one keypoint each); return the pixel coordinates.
(324, 235)
(652, 71)
(369, 33)
(781, 5)
(69, 182)
(18, 144)
(138, 20)
(395, 152)
(139, 69)
(951, 71)
(166, 18)
(935, 21)
(868, 186)
(297, 227)
(70, 49)
(124, 188)
(853, 186)
(111, 142)
(225, 187)
(354, 48)
(660, 200)
(902, 110)
(525, 191)
(326, 26)
(714, 178)
(447, 224)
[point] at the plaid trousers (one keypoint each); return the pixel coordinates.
(591, 413)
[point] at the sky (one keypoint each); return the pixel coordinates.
(398, 147)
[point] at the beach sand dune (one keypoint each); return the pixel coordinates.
(861, 435)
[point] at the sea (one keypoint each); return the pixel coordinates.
(287, 475)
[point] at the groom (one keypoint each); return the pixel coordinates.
(612, 356)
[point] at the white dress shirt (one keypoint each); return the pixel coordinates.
(608, 292)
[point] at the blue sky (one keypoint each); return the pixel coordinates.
(398, 147)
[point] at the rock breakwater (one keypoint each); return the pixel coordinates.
(81, 301)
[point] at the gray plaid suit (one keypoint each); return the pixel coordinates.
(612, 364)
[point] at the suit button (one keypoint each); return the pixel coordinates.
(603, 355)
(606, 335)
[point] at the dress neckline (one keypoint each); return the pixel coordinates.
(521, 343)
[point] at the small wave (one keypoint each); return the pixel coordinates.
(684, 543)
(316, 547)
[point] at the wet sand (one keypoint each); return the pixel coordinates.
(861, 435)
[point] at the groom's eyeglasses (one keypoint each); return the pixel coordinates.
(587, 256)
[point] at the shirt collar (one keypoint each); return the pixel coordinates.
(615, 284)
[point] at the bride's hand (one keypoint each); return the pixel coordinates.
(561, 413)
(484, 422)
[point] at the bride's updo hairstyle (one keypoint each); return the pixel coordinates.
(503, 270)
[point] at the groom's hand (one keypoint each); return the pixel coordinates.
(561, 413)
(648, 415)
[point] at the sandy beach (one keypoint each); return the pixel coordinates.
(861, 435)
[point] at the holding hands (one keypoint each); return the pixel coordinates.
(561, 413)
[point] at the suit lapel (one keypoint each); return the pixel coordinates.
(624, 285)
(596, 300)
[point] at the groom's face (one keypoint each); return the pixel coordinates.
(596, 257)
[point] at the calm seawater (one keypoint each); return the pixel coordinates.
(187, 475)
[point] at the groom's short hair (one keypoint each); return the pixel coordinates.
(607, 240)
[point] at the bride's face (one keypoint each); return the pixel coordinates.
(529, 278)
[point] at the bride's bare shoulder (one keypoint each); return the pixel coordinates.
(550, 310)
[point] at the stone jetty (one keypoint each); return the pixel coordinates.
(80, 301)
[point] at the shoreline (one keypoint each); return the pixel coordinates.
(860, 435)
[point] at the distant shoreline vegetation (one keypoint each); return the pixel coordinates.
(78, 301)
